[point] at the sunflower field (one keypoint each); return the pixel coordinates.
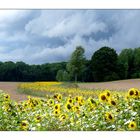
(76, 111)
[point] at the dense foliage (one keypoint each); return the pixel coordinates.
(10, 71)
(105, 65)
(58, 111)
(76, 65)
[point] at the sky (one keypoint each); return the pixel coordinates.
(47, 36)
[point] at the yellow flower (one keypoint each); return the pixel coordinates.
(38, 118)
(92, 102)
(102, 97)
(24, 125)
(68, 107)
(78, 98)
(137, 93)
(69, 100)
(59, 97)
(56, 112)
(63, 117)
(112, 102)
(55, 96)
(6, 97)
(51, 102)
(131, 92)
(109, 117)
(57, 107)
(76, 109)
(107, 93)
(6, 108)
(132, 125)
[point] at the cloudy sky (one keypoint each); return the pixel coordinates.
(41, 36)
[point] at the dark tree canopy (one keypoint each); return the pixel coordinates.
(104, 62)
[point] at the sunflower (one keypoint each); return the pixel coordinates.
(131, 92)
(107, 93)
(59, 97)
(82, 101)
(6, 97)
(57, 107)
(6, 108)
(63, 117)
(78, 98)
(102, 97)
(55, 96)
(112, 102)
(132, 125)
(69, 100)
(38, 118)
(126, 97)
(31, 105)
(50, 102)
(109, 117)
(24, 125)
(92, 102)
(76, 109)
(56, 112)
(68, 106)
(137, 93)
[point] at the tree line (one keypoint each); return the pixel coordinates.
(104, 65)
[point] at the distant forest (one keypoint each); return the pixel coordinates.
(105, 65)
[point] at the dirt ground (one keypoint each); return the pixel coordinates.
(11, 87)
(115, 85)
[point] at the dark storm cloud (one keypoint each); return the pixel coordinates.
(40, 36)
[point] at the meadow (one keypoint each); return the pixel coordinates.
(65, 107)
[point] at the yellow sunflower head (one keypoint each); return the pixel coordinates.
(50, 102)
(78, 98)
(92, 102)
(107, 93)
(68, 107)
(131, 92)
(6, 97)
(137, 93)
(38, 118)
(59, 97)
(109, 117)
(56, 112)
(112, 102)
(69, 100)
(132, 125)
(76, 109)
(55, 96)
(102, 97)
(24, 125)
(57, 107)
(63, 117)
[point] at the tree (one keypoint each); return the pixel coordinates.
(77, 63)
(66, 76)
(59, 76)
(126, 58)
(136, 65)
(104, 64)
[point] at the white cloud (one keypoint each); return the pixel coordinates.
(33, 42)
(65, 24)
